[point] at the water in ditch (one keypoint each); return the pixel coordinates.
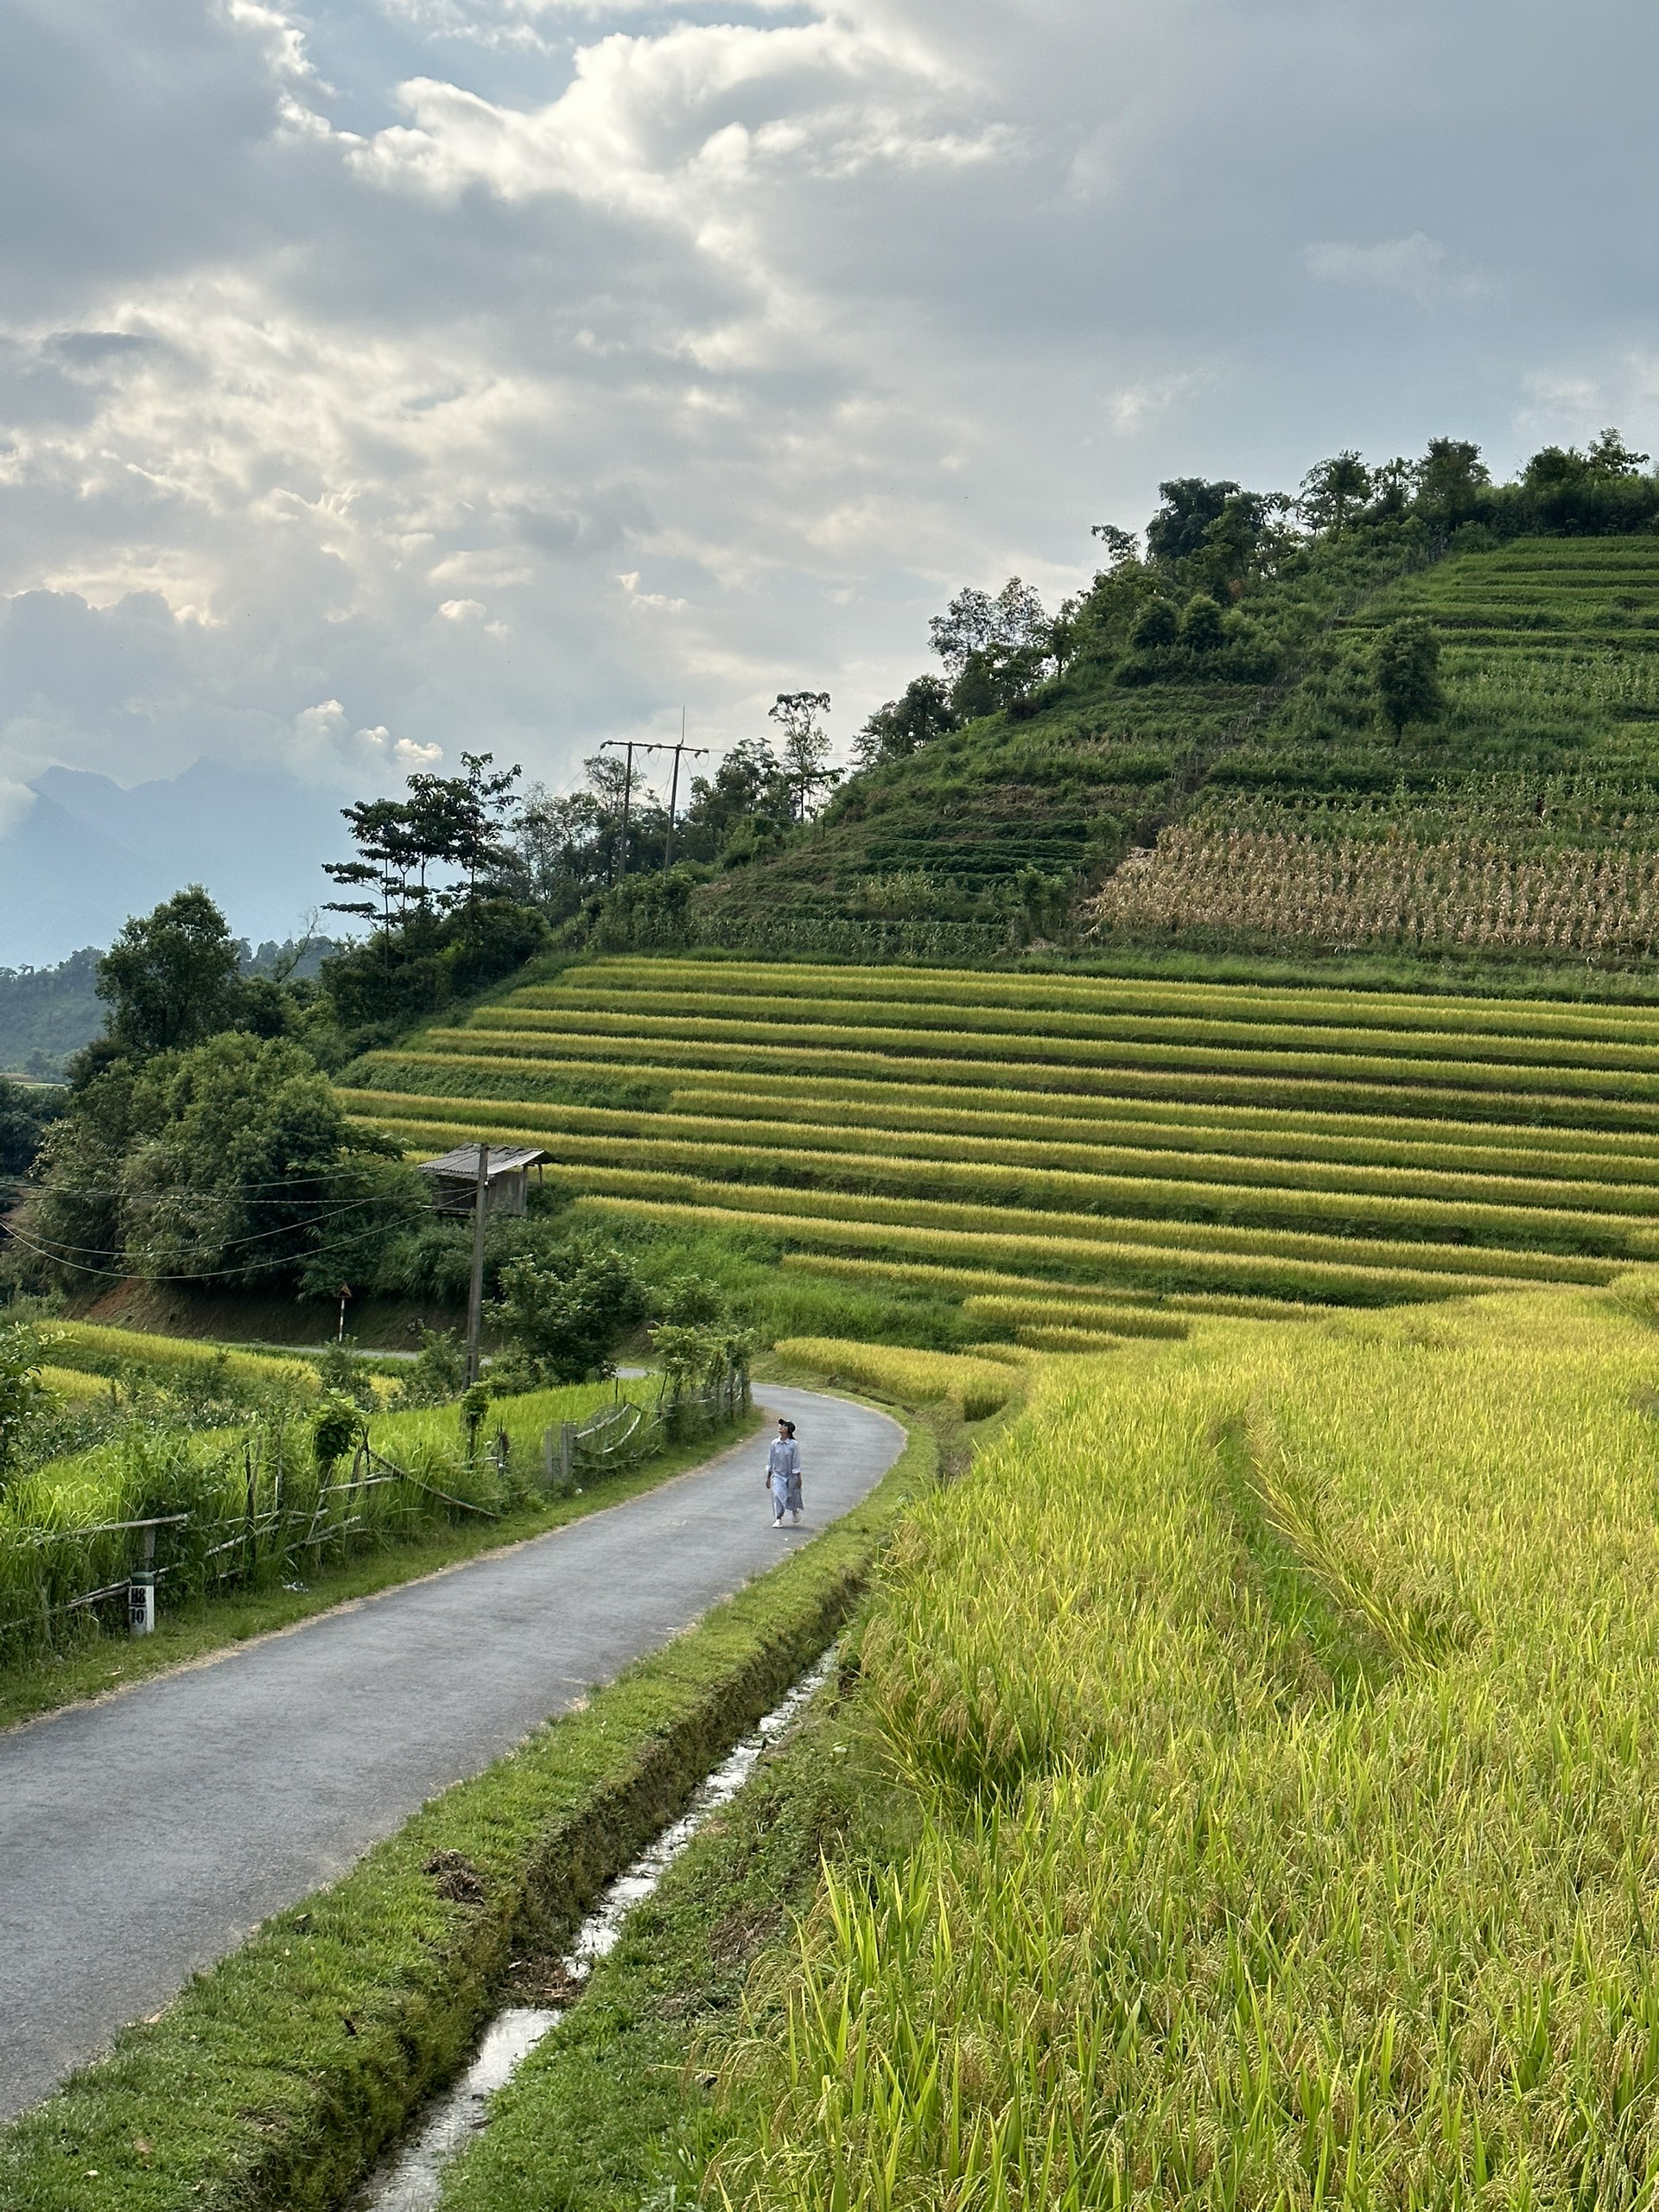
(411, 2179)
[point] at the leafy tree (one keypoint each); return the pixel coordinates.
(388, 853)
(1121, 545)
(1450, 479)
(437, 1374)
(1608, 460)
(1242, 540)
(1608, 456)
(977, 625)
(475, 807)
(1405, 668)
(1332, 492)
(336, 1428)
(1393, 487)
(1200, 628)
(1189, 506)
(21, 1389)
(1157, 626)
(233, 1162)
(170, 979)
(25, 1114)
(804, 746)
(905, 724)
(563, 1312)
(1103, 618)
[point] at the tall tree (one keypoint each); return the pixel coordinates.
(905, 724)
(1190, 506)
(1332, 491)
(804, 746)
(1450, 478)
(1121, 544)
(1609, 455)
(976, 626)
(387, 850)
(170, 977)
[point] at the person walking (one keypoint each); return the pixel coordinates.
(784, 1474)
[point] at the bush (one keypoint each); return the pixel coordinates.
(562, 1314)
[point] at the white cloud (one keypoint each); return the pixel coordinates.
(1418, 266)
(324, 747)
(1135, 408)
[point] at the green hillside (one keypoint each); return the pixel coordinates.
(1053, 1149)
(1522, 820)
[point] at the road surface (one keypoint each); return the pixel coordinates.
(144, 1836)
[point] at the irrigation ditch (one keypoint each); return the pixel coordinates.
(282, 2076)
(411, 2178)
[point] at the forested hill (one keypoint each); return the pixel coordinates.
(1406, 729)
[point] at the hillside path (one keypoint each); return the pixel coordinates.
(146, 1835)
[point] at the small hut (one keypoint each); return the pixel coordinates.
(506, 1179)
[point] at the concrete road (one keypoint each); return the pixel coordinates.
(145, 1836)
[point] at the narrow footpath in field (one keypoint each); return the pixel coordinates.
(144, 1836)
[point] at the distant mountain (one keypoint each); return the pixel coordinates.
(88, 854)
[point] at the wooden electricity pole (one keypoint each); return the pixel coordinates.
(475, 1292)
(630, 745)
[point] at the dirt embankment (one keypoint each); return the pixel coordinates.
(375, 1324)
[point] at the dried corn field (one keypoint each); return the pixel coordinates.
(1348, 893)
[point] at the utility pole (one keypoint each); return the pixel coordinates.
(475, 1292)
(630, 745)
(697, 753)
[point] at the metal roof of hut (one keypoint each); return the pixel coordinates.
(503, 1159)
(506, 1178)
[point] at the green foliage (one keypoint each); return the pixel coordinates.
(170, 980)
(1200, 629)
(48, 1014)
(20, 1358)
(696, 1338)
(437, 1373)
(805, 747)
(904, 725)
(1332, 491)
(1158, 625)
(1405, 665)
(25, 1113)
(232, 1161)
(346, 1375)
(336, 1428)
(562, 1313)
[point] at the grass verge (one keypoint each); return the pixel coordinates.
(198, 1627)
(609, 2113)
(277, 2076)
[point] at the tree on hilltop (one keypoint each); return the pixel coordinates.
(805, 747)
(1332, 491)
(1449, 480)
(905, 724)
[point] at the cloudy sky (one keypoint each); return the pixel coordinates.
(380, 377)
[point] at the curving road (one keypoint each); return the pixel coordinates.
(144, 1836)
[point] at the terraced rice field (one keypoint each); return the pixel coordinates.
(1062, 1140)
(1277, 1712)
